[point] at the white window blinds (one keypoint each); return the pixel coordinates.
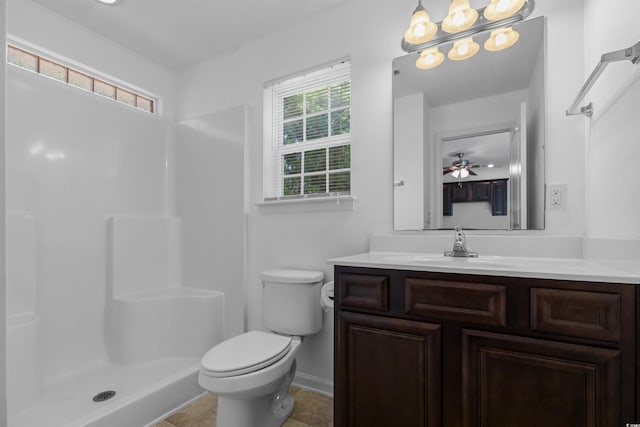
(307, 134)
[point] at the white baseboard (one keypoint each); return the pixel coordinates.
(313, 383)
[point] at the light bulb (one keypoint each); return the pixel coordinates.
(502, 5)
(455, 173)
(458, 18)
(419, 30)
(491, 165)
(501, 39)
(463, 49)
(464, 173)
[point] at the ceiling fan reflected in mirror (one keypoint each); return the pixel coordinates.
(460, 168)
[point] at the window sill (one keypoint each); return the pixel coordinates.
(309, 204)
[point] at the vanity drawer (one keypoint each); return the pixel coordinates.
(363, 291)
(576, 313)
(463, 302)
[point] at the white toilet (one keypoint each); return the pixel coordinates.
(251, 373)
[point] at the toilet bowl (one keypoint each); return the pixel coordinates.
(251, 373)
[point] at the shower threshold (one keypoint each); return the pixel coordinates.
(144, 393)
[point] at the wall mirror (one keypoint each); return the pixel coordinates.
(468, 138)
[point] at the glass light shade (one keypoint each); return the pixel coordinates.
(462, 173)
(429, 58)
(501, 38)
(500, 9)
(463, 49)
(421, 29)
(461, 17)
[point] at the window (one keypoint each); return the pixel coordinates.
(55, 70)
(307, 141)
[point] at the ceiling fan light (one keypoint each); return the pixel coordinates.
(501, 39)
(463, 49)
(455, 173)
(500, 9)
(464, 173)
(430, 58)
(461, 17)
(421, 29)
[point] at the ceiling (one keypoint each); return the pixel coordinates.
(480, 150)
(181, 33)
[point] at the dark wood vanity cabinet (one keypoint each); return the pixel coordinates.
(494, 192)
(434, 349)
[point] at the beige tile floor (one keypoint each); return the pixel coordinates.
(311, 410)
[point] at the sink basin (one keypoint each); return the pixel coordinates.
(454, 262)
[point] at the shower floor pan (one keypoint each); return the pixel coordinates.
(144, 393)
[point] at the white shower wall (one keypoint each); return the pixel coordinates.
(73, 160)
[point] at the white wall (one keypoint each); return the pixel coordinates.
(475, 215)
(74, 159)
(408, 158)
(35, 24)
(3, 329)
(612, 192)
(306, 240)
(210, 201)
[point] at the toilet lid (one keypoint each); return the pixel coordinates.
(245, 353)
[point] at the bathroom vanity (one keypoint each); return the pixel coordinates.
(496, 342)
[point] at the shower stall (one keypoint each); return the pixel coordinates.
(117, 283)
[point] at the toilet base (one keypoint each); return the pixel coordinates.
(256, 412)
(270, 410)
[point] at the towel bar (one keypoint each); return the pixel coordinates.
(632, 54)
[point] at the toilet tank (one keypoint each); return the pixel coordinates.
(291, 301)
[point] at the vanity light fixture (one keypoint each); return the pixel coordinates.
(460, 25)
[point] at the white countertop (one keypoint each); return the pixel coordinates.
(533, 267)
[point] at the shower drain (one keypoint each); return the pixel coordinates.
(104, 395)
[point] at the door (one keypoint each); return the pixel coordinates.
(387, 372)
(516, 381)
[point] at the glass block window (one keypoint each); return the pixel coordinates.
(307, 141)
(80, 80)
(56, 70)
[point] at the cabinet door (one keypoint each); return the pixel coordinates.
(461, 193)
(447, 200)
(387, 372)
(481, 191)
(499, 198)
(516, 381)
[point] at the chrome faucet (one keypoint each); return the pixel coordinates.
(460, 245)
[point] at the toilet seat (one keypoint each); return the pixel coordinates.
(245, 353)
